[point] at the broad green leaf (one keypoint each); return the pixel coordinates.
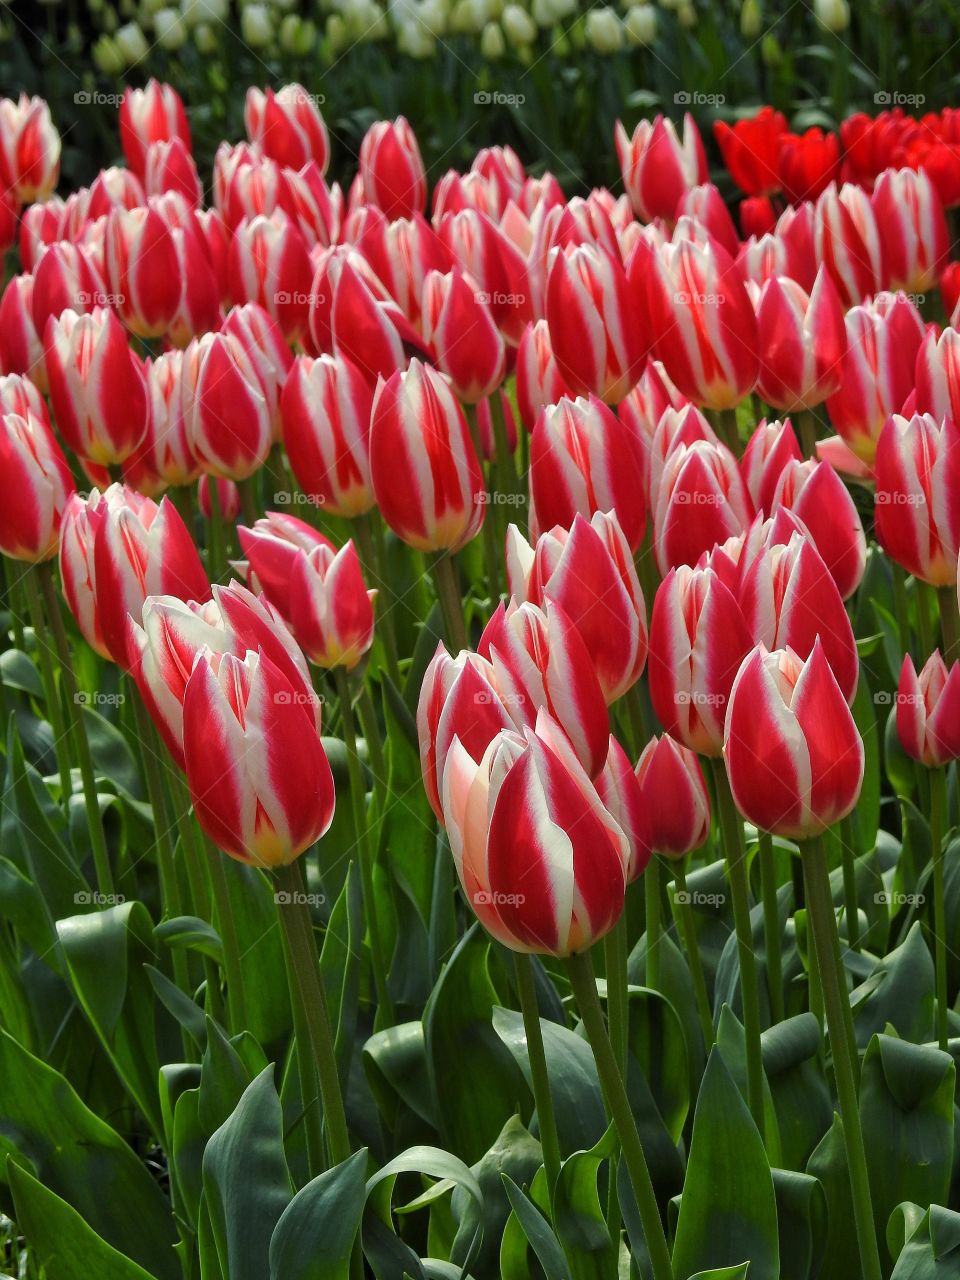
(192, 934)
(340, 965)
(314, 1238)
(800, 1095)
(926, 1245)
(828, 1164)
(801, 1222)
(728, 1208)
(579, 1215)
(898, 993)
(396, 1068)
(538, 1231)
(515, 1153)
(731, 1041)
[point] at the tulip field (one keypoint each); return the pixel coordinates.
(480, 689)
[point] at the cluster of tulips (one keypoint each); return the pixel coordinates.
(603, 364)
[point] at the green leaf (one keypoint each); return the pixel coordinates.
(537, 1230)
(396, 1067)
(732, 1043)
(65, 1246)
(579, 1216)
(190, 933)
(340, 965)
(314, 1238)
(899, 993)
(828, 1164)
(245, 1181)
(801, 1099)
(728, 1208)
(926, 1245)
(802, 1224)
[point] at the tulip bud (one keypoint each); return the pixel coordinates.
(701, 501)
(269, 265)
(937, 376)
(834, 15)
(640, 24)
(425, 472)
(21, 351)
(913, 229)
(228, 499)
(458, 324)
(267, 350)
(802, 343)
(225, 411)
(771, 448)
(29, 149)
(391, 169)
(848, 242)
(674, 796)
(918, 496)
(143, 270)
(171, 168)
(271, 547)
(539, 381)
(657, 167)
(403, 254)
(331, 609)
(622, 797)
(287, 126)
(541, 861)
(36, 485)
(751, 149)
(267, 793)
(818, 497)
(787, 774)
(369, 330)
(153, 114)
(928, 711)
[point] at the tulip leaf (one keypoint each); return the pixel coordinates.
(261, 952)
(315, 1234)
(732, 1043)
(538, 1232)
(190, 933)
(924, 1243)
(66, 1247)
(579, 1215)
(728, 1207)
(186, 1011)
(801, 1223)
(246, 1183)
(396, 1067)
(799, 1091)
(899, 992)
(340, 965)
(866, 816)
(828, 1164)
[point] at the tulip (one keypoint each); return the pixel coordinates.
(368, 329)
(918, 496)
(808, 164)
(847, 242)
(676, 427)
(271, 545)
(325, 408)
(582, 461)
(928, 711)
(623, 798)
(425, 472)
(258, 775)
(97, 386)
(248, 186)
(541, 861)
(171, 168)
(21, 350)
(792, 750)
(216, 237)
(37, 484)
(539, 380)
(540, 661)
(269, 265)
(287, 127)
(66, 279)
(751, 151)
(937, 376)
(913, 229)
(40, 225)
(757, 218)
(403, 254)
(225, 411)
(643, 408)
(228, 498)
(318, 208)
(790, 601)
(503, 169)
(331, 609)
(143, 270)
(391, 169)
(164, 453)
(458, 699)
(802, 343)
(674, 797)
(597, 340)
(705, 327)
(772, 447)
(153, 114)
(701, 501)
(707, 206)
(458, 324)
(29, 149)
(263, 341)
(198, 309)
(589, 572)
(818, 497)
(698, 638)
(657, 168)
(884, 338)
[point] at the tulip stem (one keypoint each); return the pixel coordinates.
(546, 1120)
(924, 629)
(618, 996)
(938, 809)
(358, 802)
(731, 827)
(730, 430)
(81, 746)
(651, 901)
(216, 552)
(448, 593)
(807, 430)
(688, 928)
(848, 858)
(771, 926)
(227, 928)
(580, 970)
(51, 693)
(371, 734)
(491, 523)
(373, 556)
(826, 941)
(248, 499)
(307, 988)
(505, 461)
(949, 623)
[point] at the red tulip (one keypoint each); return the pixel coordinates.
(318, 208)
(792, 750)
(503, 170)
(950, 291)
(772, 447)
(802, 343)
(29, 149)
(643, 408)
(818, 497)
(458, 324)
(913, 229)
(707, 206)
(143, 270)
(228, 498)
(258, 776)
(589, 572)
(623, 798)
(541, 861)
(325, 409)
(701, 500)
(675, 799)
(165, 452)
(500, 266)
(269, 265)
(928, 711)
(698, 638)
(598, 340)
(403, 254)
(751, 151)
(287, 126)
(704, 325)
(757, 218)
(41, 225)
(21, 350)
(790, 601)
(225, 411)
(65, 279)
(657, 168)
(369, 330)
(676, 427)
(918, 496)
(153, 114)
(937, 371)
(391, 169)
(247, 186)
(808, 163)
(271, 547)
(36, 485)
(170, 168)
(581, 460)
(97, 386)
(267, 349)
(847, 242)
(331, 609)
(425, 471)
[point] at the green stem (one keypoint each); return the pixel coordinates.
(837, 1004)
(216, 550)
(51, 693)
(372, 556)
(731, 434)
(357, 799)
(651, 901)
(848, 858)
(371, 734)
(448, 593)
(306, 985)
(731, 827)
(688, 928)
(549, 1142)
(924, 630)
(505, 461)
(227, 928)
(618, 996)
(771, 926)
(806, 421)
(248, 499)
(900, 606)
(938, 810)
(580, 970)
(949, 623)
(81, 746)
